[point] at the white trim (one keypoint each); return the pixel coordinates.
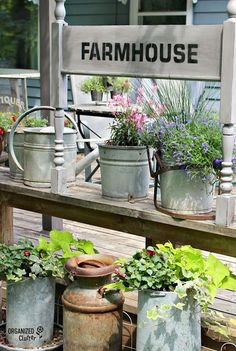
(133, 11)
(135, 14)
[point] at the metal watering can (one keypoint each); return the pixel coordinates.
(38, 158)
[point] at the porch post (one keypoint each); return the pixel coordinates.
(225, 204)
(59, 94)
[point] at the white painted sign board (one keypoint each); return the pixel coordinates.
(176, 52)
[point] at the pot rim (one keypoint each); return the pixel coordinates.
(108, 146)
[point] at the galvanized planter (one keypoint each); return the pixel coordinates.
(180, 331)
(30, 312)
(182, 194)
(92, 320)
(124, 172)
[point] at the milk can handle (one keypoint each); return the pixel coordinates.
(14, 126)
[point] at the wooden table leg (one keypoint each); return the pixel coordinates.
(6, 224)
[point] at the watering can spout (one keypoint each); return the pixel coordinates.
(86, 161)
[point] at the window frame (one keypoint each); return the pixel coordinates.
(135, 13)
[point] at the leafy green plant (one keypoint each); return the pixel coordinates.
(22, 260)
(182, 270)
(64, 243)
(95, 83)
(6, 121)
(35, 122)
(120, 84)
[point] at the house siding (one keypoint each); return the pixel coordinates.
(96, 12)
(210, 12)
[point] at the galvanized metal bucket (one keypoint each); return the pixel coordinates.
(124, 172)
(92, 318)
(182, 194)
(30, 312)
(179, 331)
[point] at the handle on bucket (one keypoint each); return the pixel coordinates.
(20, 118)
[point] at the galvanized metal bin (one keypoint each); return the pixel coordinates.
(180, 331)
(124, 172)
(182, 194)
(30, 312)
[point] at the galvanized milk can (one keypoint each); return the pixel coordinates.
(30, 312)
(38, 155)
(92, 318)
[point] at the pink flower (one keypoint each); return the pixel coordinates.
(1, 131)
(138, 118)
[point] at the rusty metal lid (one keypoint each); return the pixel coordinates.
(96, 265)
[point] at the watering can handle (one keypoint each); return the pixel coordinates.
(14, 126)
(20, 118)
(74, 125)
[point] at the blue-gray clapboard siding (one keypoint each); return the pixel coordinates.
(96, 12)
(209, 12)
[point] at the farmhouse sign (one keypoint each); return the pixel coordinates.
(182, 52)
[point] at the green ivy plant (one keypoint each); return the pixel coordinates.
(182, 270)
(47, 259)
(22, 260)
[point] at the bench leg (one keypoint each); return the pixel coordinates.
(6, 224)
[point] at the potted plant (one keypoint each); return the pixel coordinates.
(96, 86)
(173, 285)
(188, 144)
(6, 120)
(123, 159)
(30, 272)
(119, 85)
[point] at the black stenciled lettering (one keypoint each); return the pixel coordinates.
(94, 53)
(84, 50)
(165, 56)
(192, 52)
(122, 52)
(107, 51)
(179, 52)
(151, 52)
(137, 52)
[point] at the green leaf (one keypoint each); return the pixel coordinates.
(43, 244)
(179, 306)
(229, 282)
(85, 245)
(153, 314)
(217, 270)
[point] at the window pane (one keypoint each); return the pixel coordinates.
(162, 5)
(18, 34)
(155, 20)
